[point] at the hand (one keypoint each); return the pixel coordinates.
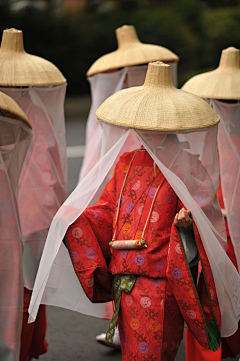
(182, 218)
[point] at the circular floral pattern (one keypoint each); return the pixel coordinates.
(156, 281)
(139, 280)
(97, 213)
(124, 254)
(145, 302)
(176, 273)
(134, 323)
(128, 300)
(91, 252)
(129, 207)
(126, 228)
(155, 326)
(140, 209)
(159, 264)
(74, 256)
(127, 345)
(77, 232)
(139, 259)
(191, 314)
(170, 199)
(122, 199)
(143, 347)
(152, 192)
(89, 282)
(136, 185)
(154, 217)
(178, 248)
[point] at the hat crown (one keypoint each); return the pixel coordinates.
(12, 41)
(230, 58)
(158, 75)
(126, 36)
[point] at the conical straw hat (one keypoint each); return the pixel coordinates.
(10, 109)
(130, 52)
(221, 83)
(157, 105)
(18, 68)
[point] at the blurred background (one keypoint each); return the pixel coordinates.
(73, 34)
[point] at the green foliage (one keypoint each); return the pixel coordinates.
(195, 32)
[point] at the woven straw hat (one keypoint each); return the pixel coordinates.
(157, 105)
(18, 68)
(130, 52)
(10, 109)
(221, 83)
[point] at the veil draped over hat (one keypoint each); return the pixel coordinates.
(229, 157)
(44, 181)
(15, 137)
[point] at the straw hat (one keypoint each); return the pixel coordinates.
(130, 52)
(18, 68)
(221, 83)
(157, 105)
(10, 109)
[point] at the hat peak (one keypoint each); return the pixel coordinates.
(126, 36)
(12, 40)
(158, 74)
(230, 58)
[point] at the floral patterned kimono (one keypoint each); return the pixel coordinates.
(152, 313)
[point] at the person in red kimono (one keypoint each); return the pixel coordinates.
(129, 233)
(225, 101)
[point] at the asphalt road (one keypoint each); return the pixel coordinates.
(71, 336)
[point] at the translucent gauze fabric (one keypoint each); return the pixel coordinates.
(15, 138)
(229, 157)
(195, 185)
(44, 179)
(103, 85)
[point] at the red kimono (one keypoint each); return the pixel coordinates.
(152, 315)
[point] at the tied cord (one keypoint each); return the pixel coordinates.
(120, 283)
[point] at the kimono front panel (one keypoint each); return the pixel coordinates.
(89, 236)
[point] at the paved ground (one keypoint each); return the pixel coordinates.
(71, 336)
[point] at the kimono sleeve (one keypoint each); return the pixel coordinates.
(87, 240)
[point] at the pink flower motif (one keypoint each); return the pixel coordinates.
(191, 314)
(128, 300)
(154, 217)
(145, 302)
(136, 185)
(178, 248)
(77, 232)
(89, 282)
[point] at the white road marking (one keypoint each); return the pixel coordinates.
(76, 151)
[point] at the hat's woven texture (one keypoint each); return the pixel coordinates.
(18, 68)
(10, 109)
(221, 83)
(157, 105)
(130, 52)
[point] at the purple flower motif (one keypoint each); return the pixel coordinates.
(152, 192)
(170, 199)
(159, 264)
(127, 345)
(139, 259)
(176, 273)
(97, 213)
(156, 281)
(129, 207)
(122, 199)
(75, 256)
(91, 253)
(204, 335)
(143, 347)
(124, 254)
(139, 280)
